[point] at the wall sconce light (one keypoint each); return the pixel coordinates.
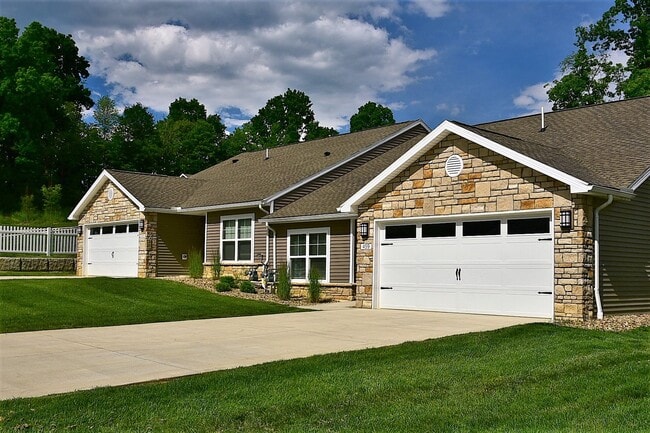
(363, 230)
(141, 225)
(565, 219)
(80, 230)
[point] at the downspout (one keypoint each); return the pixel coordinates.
(599, 306)
(268, 227)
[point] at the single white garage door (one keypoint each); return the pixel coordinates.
(112, 250)
(496, 265)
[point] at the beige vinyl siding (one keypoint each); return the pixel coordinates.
(625, 254)
(339, 246)
(177, 234)
(214, 232)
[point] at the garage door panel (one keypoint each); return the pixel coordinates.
(112, 255)
(498, 274)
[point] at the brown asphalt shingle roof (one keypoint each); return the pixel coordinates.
(606, 145)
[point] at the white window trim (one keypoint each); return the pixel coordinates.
(237, 217)
(325, 230)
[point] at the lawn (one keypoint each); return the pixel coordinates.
(29, 305)
(530, 378)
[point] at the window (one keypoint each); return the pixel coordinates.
(308, 249)
(237, 238)
(441, 230)
(95, 230)
(482, 228)
(121, 228)
(528, 226)
(107, 230)
(133, 228)
(400, 232)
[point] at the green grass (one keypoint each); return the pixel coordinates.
(531, 378)
(29, 305)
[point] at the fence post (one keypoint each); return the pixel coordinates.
(48, 251)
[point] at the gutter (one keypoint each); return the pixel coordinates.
(599, 305)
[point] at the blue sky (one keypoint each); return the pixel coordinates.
(471, 61)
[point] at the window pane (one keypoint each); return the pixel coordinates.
(442, 230)
(317, 244)
(298, 245)
(120, 229)
(228, 252)
(244, 230)
(320, 265)
(133, 228)
(528, 226)
(95, 230)
(244, 252)
(482, 228)
(107, 230)
(229, 229)
(400, 232)
(298, 270)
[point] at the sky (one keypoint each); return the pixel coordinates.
(469, 60)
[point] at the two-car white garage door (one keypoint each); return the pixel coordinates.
(112, 250)
(495, 265)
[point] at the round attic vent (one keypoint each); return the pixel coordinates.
(454, 165)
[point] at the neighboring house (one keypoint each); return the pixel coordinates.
(506, 217)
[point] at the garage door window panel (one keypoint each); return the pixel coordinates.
(237, 238)
(308, 250)
(482, 228)
(440, 230)
(528, 226)
(401, 232)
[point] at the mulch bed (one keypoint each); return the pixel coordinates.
(615, 323)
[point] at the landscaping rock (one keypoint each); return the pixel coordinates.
(9, 264)
(39, 265)
(615, 323)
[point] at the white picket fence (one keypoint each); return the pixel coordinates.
(37, 240)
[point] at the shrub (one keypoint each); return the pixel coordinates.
(27, 207)
(314, 285)
(195, 264)
(247, 287)
(222, 287)
(228, 279)
(51, 200)
(284, 284)
(216, 266)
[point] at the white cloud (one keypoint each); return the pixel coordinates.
(450, 109)
(533, 98)
(432, 8)
(341, 62)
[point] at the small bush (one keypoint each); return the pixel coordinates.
(51, 200)
(283, 289)
(195, 264)
(314, 285)
(222, 287)
(247, 287)
(228, 279)
(216, 266)
(27, 207)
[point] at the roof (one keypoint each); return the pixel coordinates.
(600, 148)
(252, 177)
(607, 144)
(156, 191)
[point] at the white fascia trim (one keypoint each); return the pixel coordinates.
(95, 187)
(640, 180)
(217, 207)
(435, 137)
(275, 196)
(308, 218)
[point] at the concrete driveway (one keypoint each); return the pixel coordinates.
(49, 362)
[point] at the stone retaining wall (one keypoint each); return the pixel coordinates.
(20, 264)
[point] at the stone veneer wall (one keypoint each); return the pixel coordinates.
(489, 182)
(120, 208)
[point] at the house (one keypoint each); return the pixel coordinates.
(542, 216)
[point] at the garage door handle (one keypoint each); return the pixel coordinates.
(545, 239)
(544, 293)
(386, 243)
(386, 288)
(458, 274)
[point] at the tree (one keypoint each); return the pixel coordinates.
(41, 95)
(190, 139)
(371, 115)
(136, 144)
(106, 117)
(590, 75)
(286, 118)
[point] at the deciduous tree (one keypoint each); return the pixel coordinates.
(371, 115)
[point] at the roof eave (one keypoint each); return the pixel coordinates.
(94, 189)
(577, 186)
(307, 218)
